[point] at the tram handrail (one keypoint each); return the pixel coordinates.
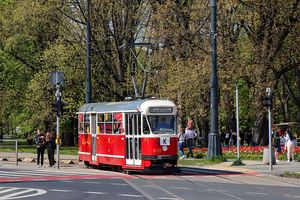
(16, 147)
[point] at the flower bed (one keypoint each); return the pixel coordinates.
(246, 152)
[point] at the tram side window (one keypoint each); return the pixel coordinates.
(128, 124)
(86, 123)
(80, 123)
(146, 129)
(100, 124)
(139, 124)
(117, 123)
(108, 123)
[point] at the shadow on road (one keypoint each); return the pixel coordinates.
(185, 171)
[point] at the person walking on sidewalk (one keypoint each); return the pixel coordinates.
(40, 143)
(50, 143)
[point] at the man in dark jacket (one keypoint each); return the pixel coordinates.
(40, 147)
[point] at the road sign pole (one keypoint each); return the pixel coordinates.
(57, 94)
(269, 95)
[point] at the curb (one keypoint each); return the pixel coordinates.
(33, 160)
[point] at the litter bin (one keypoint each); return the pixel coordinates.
(266, 156)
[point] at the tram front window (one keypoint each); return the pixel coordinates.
(159, 124)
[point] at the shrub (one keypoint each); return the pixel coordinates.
(237, 162)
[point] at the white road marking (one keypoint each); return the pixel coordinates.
(182, 188)
(19, 173)
(39, 179)
(57, 190)
(95, 192)
(8, 190)
(21, 194)
(130, 195)
(148, 186)
(90, 182)
(222, 192)
(258, 193)
(291, 196)
(67, 181)
(167, 198)
(147, 195)
(123, 184)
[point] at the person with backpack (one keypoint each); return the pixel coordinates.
(40, 143)
(289, 144)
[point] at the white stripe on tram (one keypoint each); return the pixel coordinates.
(85, 153)
(111, 156)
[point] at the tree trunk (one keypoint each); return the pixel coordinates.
(260, 130)
(179, 110)
(67, 132)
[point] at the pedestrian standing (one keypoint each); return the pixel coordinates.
(40, 147)
(50, 143)
(181, 143)
(190, 134)
(276, 134)
(289, 145)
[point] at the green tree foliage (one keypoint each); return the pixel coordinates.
(257, 48)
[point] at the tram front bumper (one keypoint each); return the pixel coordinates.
(159, 157)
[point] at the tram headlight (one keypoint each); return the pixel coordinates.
(165, 148)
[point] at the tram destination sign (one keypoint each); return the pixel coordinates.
(161, 110)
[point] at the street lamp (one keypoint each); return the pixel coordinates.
(214, 145)
(88, 88)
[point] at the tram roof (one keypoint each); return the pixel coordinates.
(122, 106)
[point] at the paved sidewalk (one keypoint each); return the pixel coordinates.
(250, 165)
(259, 166)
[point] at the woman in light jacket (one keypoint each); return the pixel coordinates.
(289, 145)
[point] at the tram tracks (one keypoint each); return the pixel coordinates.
(157, 186)
(151, 190)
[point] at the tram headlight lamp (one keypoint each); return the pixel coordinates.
(165, 148)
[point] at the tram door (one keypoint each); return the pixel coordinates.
(94, 136)
(133, 138)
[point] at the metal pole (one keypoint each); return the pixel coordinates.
(237, 122)
(214, 145)
(17, 158)
(57, 128)
(270, 138)
(88, 97)
(57, 142)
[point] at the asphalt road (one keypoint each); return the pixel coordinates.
(189, 183)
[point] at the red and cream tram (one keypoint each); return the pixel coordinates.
(133, 135)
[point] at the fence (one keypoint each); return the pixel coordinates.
(11, 142)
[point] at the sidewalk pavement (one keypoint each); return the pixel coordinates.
(258, 166)
(250, 165)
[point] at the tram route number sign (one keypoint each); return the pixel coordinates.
(164, 141)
